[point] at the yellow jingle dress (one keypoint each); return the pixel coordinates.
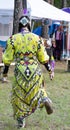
(27, 90)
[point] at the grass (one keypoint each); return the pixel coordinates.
(58, 90)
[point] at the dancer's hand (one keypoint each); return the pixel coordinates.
(51, 75)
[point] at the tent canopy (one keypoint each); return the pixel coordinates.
(40, 9)
(9, 4)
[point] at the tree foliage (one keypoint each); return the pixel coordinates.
(68, 3)
(60, 3)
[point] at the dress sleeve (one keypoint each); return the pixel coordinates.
(8, 54)
(41, 52)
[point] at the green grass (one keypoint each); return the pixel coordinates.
(58, 90)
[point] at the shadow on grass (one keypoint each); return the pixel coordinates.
(61, 71)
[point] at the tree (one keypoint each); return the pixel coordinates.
(50, 1)
(58, 3)
(18, 12)
(44, 29)
(64, 3)
(68, 3)
(44, 23)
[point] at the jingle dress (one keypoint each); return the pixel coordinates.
(27, 91)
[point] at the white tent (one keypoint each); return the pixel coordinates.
(42, 9)
(6, 4)
(9, 4)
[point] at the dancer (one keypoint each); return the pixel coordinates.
(28, 92)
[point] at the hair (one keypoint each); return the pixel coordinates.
(22, 26)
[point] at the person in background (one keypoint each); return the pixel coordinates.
(28, 92)
(59, 42)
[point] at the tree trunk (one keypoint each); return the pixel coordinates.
(45, 26)
(18, 12)
(44, 29)
(50, 1)
(64, 3)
